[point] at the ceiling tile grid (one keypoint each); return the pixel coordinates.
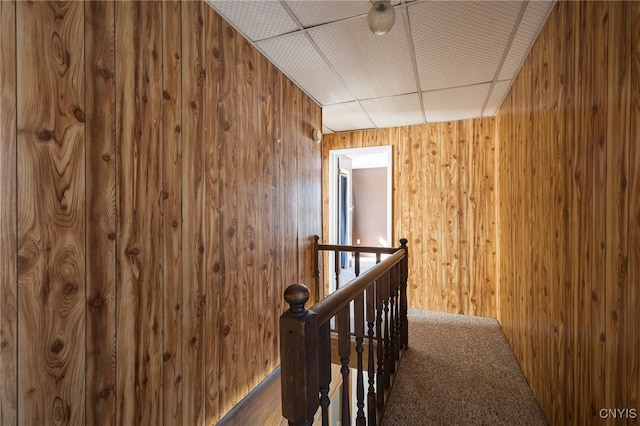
(313, 12)
(394, 111)
(371, 66)
(256, 20)
(536, 12)
(457, 103)
(461, 43)
(306, 68)
(462, 58)
(344, 117)
(496, 97)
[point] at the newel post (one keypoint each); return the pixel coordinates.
(299, 358)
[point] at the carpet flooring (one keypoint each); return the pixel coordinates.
(459, 370)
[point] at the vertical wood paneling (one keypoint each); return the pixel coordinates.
(434, 170)
(101, 209)
(51, 207)
(8, 225)
(599, 18)
(632, 337)
(194, 109)
(157, 216)
(617, 218)
(140, 254)
(211, 337)
(171, 136)
(266, 225)
(229, 298)
(450, 207)
(572, 333)
(247, 193)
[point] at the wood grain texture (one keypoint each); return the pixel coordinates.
(213, 241)
(8, 225)
(566, 166)
(633, 297)
(229, 297)
(51, 213)
(194, 111)
(140, 250)
(101, 209)
(173, 285)
(433, 203)
(129, 221)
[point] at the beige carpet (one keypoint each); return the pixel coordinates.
(459, 370)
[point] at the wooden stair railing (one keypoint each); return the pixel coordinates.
(378, 299)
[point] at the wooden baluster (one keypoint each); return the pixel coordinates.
(324, 369)
(387, 344)
(357, 265)
(299, 358)
(392, 324)
(344, 351)
(404, 322)
(336, 255)
(371, 395)
(395, 302)
(319, 293)
(358, 313)
(379, 346)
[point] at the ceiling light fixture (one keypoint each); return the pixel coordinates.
(381, 17)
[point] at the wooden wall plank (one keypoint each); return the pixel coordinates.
(140, 254)
(211, 333)
(171, 136)
(450, 207)
(617, 212)
(465, 137)
(193, 204)
(582, 217)
(51, 213)
(8, 226)
(247, 195)
(599, 99)
(266, 226)
(229, 245)
(428, 214)
(101, 211)
(633, 296)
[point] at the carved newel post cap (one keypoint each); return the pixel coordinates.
(296, 296)
(403, 241)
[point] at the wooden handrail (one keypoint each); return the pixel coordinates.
(378, 300)
(331, 305)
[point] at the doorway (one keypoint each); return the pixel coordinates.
(360, 206)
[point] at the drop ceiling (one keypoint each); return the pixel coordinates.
(442, 60)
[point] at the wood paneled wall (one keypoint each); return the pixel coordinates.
(444, 204)
(569, 213)
(159, 190)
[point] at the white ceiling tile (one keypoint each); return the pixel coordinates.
(455, 104)
(496, 97)
(371, 65)
(314, 12)
(393, 111)
(306, 68)
(257, 19)
(347, 116)
(531, 24)
(460, 42)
